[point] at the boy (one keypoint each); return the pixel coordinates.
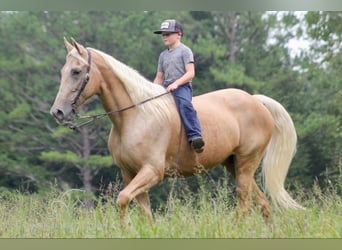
(175, 72)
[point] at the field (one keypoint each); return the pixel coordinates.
(204, 215)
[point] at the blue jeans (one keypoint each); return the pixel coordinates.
(183, 97)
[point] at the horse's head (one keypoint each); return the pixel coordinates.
(76, 83)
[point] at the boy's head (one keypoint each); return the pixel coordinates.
(170, 26)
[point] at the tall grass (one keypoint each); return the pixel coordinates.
(184, 215)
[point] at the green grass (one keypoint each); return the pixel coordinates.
(186, 216)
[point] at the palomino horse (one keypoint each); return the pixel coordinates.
(147, 142)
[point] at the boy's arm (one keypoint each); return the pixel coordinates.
(159, 78)
(187, 77)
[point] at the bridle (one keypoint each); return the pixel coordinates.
(84, 83)
(92, 118)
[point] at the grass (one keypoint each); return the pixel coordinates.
(63, 215)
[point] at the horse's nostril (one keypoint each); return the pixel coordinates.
(58, 114)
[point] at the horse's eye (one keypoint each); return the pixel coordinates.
(75, 72)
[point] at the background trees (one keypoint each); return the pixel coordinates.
(248, 50)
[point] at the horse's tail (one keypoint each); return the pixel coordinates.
(279, 153)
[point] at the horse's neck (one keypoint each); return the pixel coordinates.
(117, 94)
(114, 97)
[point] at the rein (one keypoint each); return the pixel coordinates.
(99, 116)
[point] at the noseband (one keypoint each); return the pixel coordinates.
(84, 83)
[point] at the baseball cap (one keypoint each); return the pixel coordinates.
(170, 25)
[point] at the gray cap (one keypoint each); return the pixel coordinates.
(170, 25)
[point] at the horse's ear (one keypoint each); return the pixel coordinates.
(77, 45)
(68, 45)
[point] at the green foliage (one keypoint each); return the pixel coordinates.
(19, 111)
(97, 161)
(59, 157)
(61, 131)
(233, 76)
(325, 30)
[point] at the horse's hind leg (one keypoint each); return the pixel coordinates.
(247, 189)
(259, 198)
(242, 181)
(245, 167)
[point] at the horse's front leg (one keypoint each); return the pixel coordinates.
(146, 178)
(144, 201)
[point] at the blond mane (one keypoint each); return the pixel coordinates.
(140, 89)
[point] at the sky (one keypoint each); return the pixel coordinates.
(295, 45)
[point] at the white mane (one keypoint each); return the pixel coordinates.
(140, 89)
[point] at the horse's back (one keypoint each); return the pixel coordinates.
(232, 99)
(234, 117)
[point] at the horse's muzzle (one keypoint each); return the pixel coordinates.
(58, 114)
(61, 115)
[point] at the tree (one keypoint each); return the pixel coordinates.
(30, 72)
(310, 91)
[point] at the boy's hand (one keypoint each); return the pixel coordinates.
(172, 87)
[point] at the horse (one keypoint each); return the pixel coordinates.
(147, 140)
